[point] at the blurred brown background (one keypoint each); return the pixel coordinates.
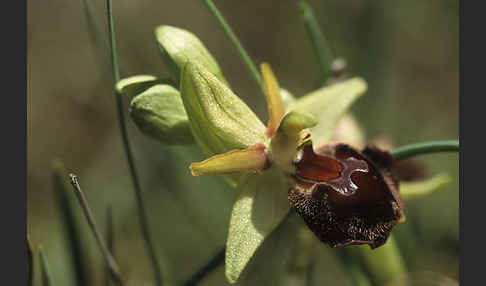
(406, 50)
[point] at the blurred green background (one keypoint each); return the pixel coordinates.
(406, 50)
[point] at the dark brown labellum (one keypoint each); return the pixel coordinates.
(344, 196)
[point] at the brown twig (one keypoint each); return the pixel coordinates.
(109, 259)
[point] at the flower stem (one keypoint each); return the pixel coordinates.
(407, 151)
(319, 42)
(384, 264)
(252, 69)
(136, 185)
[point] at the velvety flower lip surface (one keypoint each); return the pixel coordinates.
(344, 196)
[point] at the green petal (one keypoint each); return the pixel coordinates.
(418, 189)
(287, 97)
(220, 121)
(283, 146)
(252, 159)
(179, 46)
(260, 207)
(159, 113)
(276, 108)
(328, 104)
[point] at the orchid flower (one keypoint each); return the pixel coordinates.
(310, 156)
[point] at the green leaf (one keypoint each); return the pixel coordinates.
(45, 268)
(133, 85)
(220, 121)
(418, 189)
(319, 43)
(328, 104)
(159, 113)
(260, 207)
(179, 46)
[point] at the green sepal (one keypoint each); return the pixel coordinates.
(328, 104)
(159, 113)
(287, 97)
(178, 46)
(260, 207)
(131, 86)
(220, 121)
(418, 189)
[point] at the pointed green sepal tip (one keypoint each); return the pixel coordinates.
(159, 113)
(178, 46)
(133, 85)
(220, 121)
(252, 159)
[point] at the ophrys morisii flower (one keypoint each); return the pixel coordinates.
(310, 156)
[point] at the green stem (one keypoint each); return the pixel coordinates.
(319, 43)
(126, 144)
(407, 151)
(45, 269)
(384, 264)
(352, 266)
(239, 47)
(95, 32)
(109, 240)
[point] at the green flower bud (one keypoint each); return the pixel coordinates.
(220, 121)
(179, 46)
(160, 114)
(131, 86)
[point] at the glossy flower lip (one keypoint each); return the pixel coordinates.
(346, 197)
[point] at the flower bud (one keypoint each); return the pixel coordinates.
(160, 114)
(220, 121)
(179, 46)
(131, 86)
